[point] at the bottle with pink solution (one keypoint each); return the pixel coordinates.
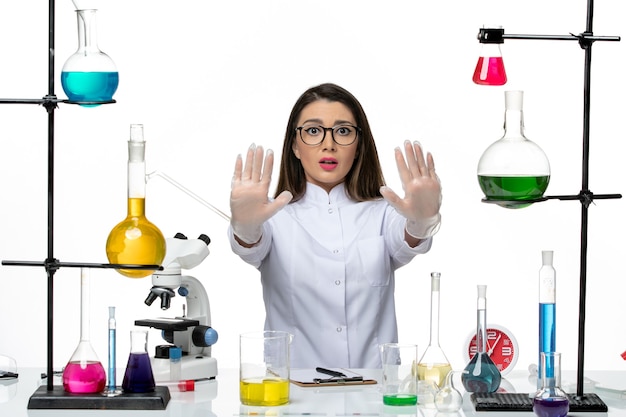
(84, 373)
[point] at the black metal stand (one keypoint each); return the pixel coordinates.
(54, 399)
(585, 196)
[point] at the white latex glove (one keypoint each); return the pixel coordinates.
(422, 191)
(250, 206)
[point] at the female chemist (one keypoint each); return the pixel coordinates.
(328, 243)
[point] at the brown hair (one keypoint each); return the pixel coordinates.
(364, 179)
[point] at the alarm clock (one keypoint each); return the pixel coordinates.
(501, 346)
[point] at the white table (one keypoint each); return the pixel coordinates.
(221, 398)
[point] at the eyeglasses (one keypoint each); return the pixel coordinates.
(343, 135)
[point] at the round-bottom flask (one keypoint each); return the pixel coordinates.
(551, 400)
(513, 169)
(136, 240)
(89, 75)
(84, 373)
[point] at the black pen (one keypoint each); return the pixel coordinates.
(338, 380)
(330, 372)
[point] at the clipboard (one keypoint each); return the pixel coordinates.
(313, 378)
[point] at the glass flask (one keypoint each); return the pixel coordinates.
(434, 365)
(490, 66)
(136, 240)
(138, 377)
(448, 399)
(482, 375)
(547, 309)
(89, 75)
(551, 400)
(513, 169)
(84, 373)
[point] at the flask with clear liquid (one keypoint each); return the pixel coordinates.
(89, 75)
(547, 309)
(434, 365)
(551, 400)
(136, 240)
(482, 375)
(513, 169)
(84, 373)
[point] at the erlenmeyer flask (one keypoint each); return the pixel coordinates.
(89, 75)
(513, 169)
(434, 366)
(482, 375)
(84, 373)
(136, 240)
(138, 376)
(490, 66)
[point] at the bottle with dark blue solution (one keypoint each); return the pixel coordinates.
(551, 400)
(89, 77)
(138, 377)
(547, 310)
(481, 374)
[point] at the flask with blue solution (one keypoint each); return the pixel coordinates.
(481, 374)
(89, 77)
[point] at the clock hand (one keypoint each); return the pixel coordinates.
(490, 351)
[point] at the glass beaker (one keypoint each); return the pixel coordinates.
(547, 309)
(84, 373)
(551, 400)
(434, 365)
(89, 75)
(136, 240)
(513, 169)
(481, 374)
(399, 373)
(264, 368)
(138, 376)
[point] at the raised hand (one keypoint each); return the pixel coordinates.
(422, 191)
(249, 203)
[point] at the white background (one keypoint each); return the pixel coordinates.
(208, 78)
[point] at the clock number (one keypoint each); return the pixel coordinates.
(507, 351)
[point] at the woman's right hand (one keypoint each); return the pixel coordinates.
(250, 206)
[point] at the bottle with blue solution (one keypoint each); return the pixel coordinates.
(138, 377)
(89, 76)
(481, 374)
(550, 400)
(547, 310)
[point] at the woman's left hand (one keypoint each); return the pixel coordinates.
(422, 191)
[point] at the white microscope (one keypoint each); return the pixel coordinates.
(192, 332)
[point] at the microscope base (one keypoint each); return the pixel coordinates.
(193, 367)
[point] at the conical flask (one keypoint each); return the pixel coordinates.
(138, 376)
(136, 240)
(513, 169)
(490, 66)
(84, 373)
(434, 366)
(89, 75)
(481, 374)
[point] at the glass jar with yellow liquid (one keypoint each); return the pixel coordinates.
(434, 366)
(264, 368)
(136, 240)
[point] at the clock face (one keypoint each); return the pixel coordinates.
(501, 347)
